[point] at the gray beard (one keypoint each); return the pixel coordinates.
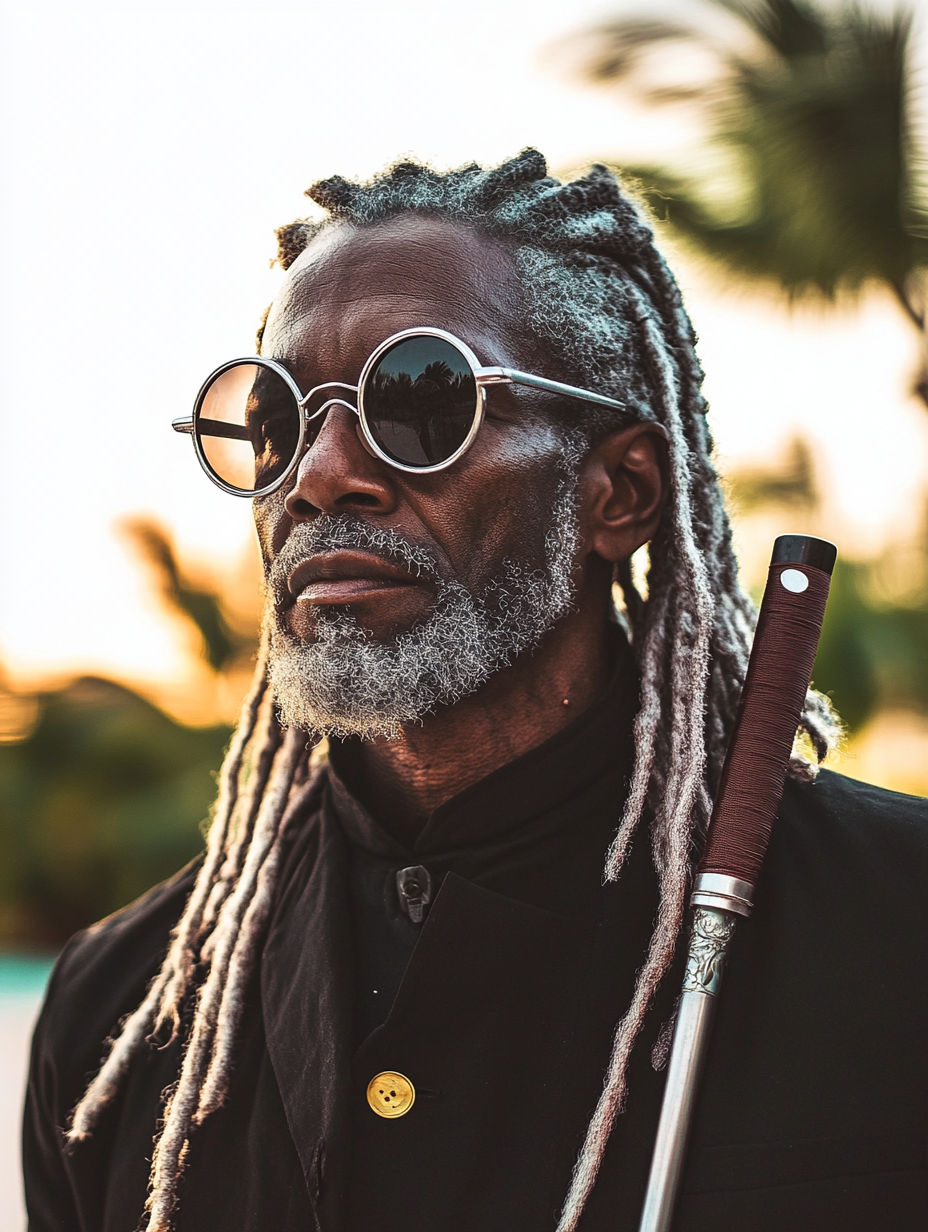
(347, 684)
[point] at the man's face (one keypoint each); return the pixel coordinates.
(386, 586)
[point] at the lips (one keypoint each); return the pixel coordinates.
(345, 577)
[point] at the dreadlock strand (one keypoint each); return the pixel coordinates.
(612, 1100)
(267, 740)
(646, 723)
(634, 603)
(242, 960)
(673, 823)
(182, 954)
(169, 986)
(105, 1086)
(171, 1146)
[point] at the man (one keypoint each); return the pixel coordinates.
(396, 988)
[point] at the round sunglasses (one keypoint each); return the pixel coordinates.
(420, 399)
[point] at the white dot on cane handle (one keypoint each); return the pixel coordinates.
(794, 580)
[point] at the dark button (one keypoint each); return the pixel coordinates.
(414, 887)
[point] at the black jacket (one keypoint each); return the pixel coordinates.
(814, 1108)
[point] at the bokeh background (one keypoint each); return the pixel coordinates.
(150, 147)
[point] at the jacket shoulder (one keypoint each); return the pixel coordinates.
(848, 804)
(847, 838)
(869, 795)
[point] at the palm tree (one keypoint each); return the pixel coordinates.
(223, 645)
(816, 181)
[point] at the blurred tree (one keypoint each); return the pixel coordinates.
(102, 794)
(873, 655)
(874, 649)
(102, 799)
(201, 605)
(814, 181)
(792, 484)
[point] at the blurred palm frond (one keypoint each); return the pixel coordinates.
(813, 179)
(201, 605)
(793, 484)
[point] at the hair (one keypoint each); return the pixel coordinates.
(601, 300)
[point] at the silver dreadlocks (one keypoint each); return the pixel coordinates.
(602, 301)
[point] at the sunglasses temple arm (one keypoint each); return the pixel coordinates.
(511, 376)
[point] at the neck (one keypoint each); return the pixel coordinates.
(403, 781)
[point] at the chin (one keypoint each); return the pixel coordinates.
(373, 618)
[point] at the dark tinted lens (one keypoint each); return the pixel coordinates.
(420, 400)
(248, 426)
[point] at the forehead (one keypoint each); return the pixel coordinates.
(353, 287)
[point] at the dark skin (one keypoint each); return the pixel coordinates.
(350, 290)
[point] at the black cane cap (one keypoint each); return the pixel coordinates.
(805, 550)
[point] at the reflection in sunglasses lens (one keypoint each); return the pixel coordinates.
(420, 400)
(248, 426)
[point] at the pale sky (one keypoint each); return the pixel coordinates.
(148, 151)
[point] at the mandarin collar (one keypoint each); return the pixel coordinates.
(597, 742)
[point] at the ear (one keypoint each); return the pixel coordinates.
(624, 484)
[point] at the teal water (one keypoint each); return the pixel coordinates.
(23, 975)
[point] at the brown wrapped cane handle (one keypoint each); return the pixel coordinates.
(779, 672)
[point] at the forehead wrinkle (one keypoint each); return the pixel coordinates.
(323, 332)
(440, 269)
(350, 311)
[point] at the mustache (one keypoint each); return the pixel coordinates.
(334, 532)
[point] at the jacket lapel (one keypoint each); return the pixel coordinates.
(306, 988)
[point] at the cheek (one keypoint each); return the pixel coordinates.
(501, 507)
(271, 522)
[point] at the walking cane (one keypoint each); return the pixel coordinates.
(749, 795)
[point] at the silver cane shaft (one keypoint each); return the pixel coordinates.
(709, 940)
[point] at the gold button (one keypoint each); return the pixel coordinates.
(390, 1094)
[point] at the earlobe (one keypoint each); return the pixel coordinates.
(625, 485)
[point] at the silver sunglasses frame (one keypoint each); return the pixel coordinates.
(483, 378)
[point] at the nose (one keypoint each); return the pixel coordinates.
(338, 474)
